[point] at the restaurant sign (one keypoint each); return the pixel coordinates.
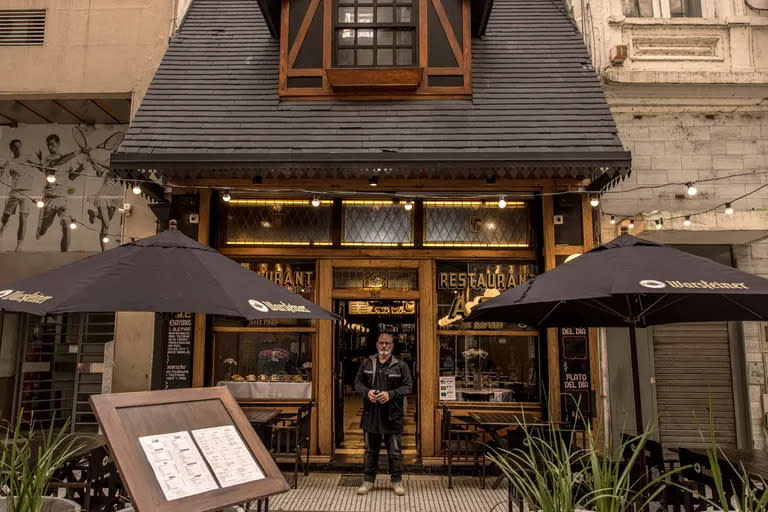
(462, 286)
(576, 400)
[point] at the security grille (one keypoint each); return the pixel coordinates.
(476, 224)
(61, 366)
(22, 27)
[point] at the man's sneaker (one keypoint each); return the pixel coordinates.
(398, 488)
(365, 488)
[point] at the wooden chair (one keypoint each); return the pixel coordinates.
(290, 435)
(459, 443)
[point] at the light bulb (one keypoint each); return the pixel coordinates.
(659, 224)
(105, 239)
(40, 203)
(315, 201)
(687, 221)
(136, 189)
(50, 177)
(73, 225)
(502, 202)
(226, 197)
(692, 190)
(373, 181)
(408, 206)
(728, 209)
(613, 219)
(594, 201)
(631, 223)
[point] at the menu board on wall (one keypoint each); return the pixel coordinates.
(576, 401)
(177, 365)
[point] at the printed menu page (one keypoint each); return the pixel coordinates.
(228, 456)
(179, 468)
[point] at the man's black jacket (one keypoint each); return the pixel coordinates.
(398, 378)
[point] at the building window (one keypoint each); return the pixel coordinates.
(375, 33)
(255, 222)
(376, 223)
(668, 8)
(477, 224)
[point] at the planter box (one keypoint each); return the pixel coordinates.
(50, 504)
(374, 78)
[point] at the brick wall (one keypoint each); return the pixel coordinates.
(670, 147)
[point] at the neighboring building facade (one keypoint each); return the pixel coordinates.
(397, 163)
(71, 73)
(687, 82)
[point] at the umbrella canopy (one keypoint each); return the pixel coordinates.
(630, 282)
(164, 273)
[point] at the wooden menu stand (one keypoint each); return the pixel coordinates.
(126, 417)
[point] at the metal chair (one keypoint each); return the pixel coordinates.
(290, 435)
(459, 442)
(697, 475)
(655, 465)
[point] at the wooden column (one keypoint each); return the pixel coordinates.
(553, 353)
(323, 372)
(594, 349)
(428, 359)
(198, 349)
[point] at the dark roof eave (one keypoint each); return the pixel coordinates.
(123, 161)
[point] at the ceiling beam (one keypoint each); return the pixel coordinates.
(107, 111)
(38, 114)
(71, 112)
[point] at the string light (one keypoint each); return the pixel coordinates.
(692, 190)
(315, 201)
(226, 197)
(105, 239)
(659, 223)
(687, 221)
(502, 202)
(39, 203)
(73, 225)
(136, 189)
(728, 209)
(408, 206)
(594, 201)
(50, 177)
(613, 219)
(631, 224)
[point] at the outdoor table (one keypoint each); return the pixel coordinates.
(247, 389)
(262, 419)
(755, 462)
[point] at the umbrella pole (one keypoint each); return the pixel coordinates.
(636, 379)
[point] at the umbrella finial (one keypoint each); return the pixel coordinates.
(172, 224)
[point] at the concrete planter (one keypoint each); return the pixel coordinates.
(50, 504)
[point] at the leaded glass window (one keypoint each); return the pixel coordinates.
(477, 224)
(376, 223)
(375, 33)
(278, 222)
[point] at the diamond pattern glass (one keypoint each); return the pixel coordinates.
(476, 224)
(278, 222)
(377, 223)
(352, 278)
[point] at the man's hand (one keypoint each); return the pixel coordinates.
(372, 396)
(383, 397)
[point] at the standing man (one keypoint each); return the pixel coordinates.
(19, 197)
(383, 380)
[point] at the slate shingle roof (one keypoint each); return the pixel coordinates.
(213, 106)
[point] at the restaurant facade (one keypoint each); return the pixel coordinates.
(397, 162)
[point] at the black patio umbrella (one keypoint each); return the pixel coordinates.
(634, 283)
(167, 272)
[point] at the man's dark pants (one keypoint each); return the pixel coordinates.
(394, 452)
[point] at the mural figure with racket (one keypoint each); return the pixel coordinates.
(108, 198)
(20, 181)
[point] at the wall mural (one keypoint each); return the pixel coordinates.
(84, 192)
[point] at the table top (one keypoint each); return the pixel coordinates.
(261, 415)
(506, 419)
(755, 462)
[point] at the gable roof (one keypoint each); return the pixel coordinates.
(537, 108)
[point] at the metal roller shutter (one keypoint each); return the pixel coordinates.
(693, 367)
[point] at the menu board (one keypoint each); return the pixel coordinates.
(177, 365)
(575, 377)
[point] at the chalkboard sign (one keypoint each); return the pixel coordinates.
(576, 399)
(177, 336)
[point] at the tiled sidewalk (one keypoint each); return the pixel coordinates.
(322, 492)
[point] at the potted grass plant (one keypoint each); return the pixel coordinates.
(29, 458)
